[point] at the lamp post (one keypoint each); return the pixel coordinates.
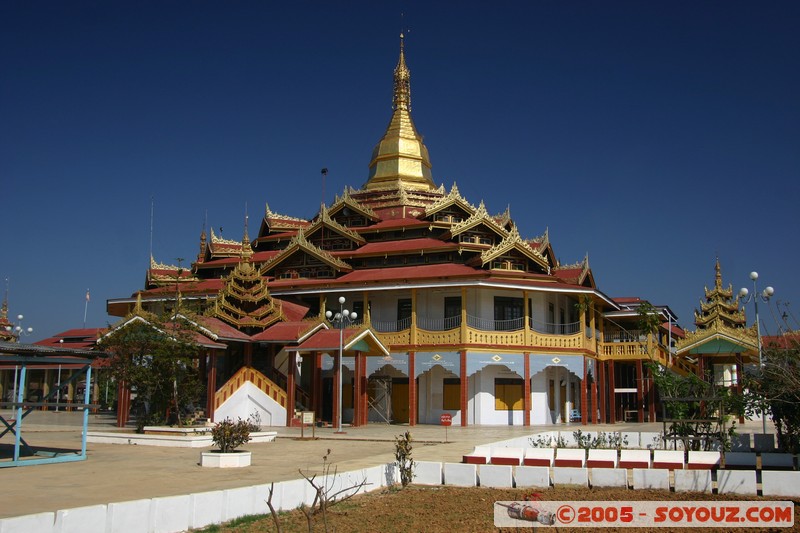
(746, 297)
(341, 320)
(19, 330)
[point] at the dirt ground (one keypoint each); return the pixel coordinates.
(454, 509)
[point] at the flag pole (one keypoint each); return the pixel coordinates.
(85, 308)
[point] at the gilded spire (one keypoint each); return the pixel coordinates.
(402, 81)
(400, 156)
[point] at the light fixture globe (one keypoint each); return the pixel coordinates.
(341, 300)
(769, 291)
(754, 275)
(328, 315)
(353, 315)
(743, 292)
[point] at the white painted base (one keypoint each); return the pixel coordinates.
(225, 460)
(173, 441)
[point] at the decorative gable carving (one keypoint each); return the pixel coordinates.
(514, 242)
(323, 222)
(453, 201)
(301, 259)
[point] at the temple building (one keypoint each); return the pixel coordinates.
(458, 310)
(722, 343)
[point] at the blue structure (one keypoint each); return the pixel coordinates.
(21, 356)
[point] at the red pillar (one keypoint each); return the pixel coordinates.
(526, 400)
(639, 388)
(360, 390)
(248, 355)
(464, 383)
(585, 395)
(211, 385)
(739, 376)
(612, 404)
(594, 392)
(123, 403)
(291, 366)
(601, 382)
(316, 387)
(412, 391)
(356, 390)
(364, 392)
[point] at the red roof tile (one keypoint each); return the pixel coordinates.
(393, 223)
(257, 257)
(223, 330)
(84, 338)
(327, 339)
(285, 332)
(293, 311)
(444, 270)
(398, 246)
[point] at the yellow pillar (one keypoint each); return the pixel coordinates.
(526, 313)
(366, 317)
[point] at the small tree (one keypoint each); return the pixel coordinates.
(402, 454)
(688, 400)
(774, 387)
(155, 358)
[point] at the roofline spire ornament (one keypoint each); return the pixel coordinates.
(402, 81)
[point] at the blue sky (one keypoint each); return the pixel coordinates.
(652, 135)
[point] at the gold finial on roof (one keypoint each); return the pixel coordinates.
(402, 81)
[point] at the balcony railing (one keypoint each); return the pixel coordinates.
(391, 326)
(479, 323)
(489, 324)
(555, 329)
(633, 335)
(439, 324)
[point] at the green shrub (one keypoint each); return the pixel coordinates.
(229, 435)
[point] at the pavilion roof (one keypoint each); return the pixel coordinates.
(289, 331)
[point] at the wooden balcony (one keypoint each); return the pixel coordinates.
(467, 335)
(645, 349)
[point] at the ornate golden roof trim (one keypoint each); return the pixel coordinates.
(299, 242)
(271, 215)
(220, 240)
(324, 220)
(480, 216)
(452, 198)
(345, 200)
(745, 336)
(514, 241)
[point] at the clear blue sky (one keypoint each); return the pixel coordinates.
(652, 135)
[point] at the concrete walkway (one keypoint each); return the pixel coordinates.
(116, 473)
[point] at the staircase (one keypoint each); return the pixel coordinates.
(249, 391)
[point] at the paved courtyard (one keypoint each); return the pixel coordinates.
(115, 473)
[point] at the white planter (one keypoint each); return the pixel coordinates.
(216, 459)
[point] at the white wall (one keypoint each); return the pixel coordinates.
(484, 402)
(249, 399)
(431, 396)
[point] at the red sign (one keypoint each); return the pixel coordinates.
(446, 419)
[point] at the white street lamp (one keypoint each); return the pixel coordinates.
(341, 320)
(19, 330)
(746, 297)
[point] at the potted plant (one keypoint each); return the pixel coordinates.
(228, 435)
